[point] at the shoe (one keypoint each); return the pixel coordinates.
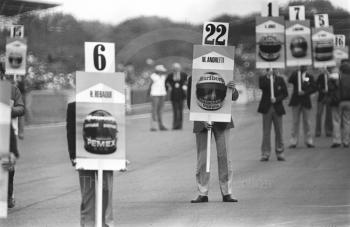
(200, 199)
(153, 129)
(345, 145)
(335, 145)
(264, 159)
(280, 158)
(229, 199)
(11, 203)
(309, 145)
(318, 135)
(292, 146)
(329, 135)
(162, 128)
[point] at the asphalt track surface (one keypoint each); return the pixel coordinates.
(312, 188)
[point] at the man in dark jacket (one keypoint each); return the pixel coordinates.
(87, 181)
(274, 91)
(323, 103)
(176, 83)
(221, 132)
(303, 86)
(344, 105)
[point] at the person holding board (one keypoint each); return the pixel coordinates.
(221, 132)
(303, 86)
(274, 91)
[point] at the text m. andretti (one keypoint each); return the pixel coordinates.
(100, 133)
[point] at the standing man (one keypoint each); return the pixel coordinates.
(323, 104)
(274, 91)
(176, 83)
(303, 86)
(158, 93)
(221, 132)
(344, 87)
(334, 99)
(87, 181)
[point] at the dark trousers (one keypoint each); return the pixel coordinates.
(178, 107)
(10, 185)
(328, 127)
(271, 117)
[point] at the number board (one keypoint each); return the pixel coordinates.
(99, 57)
(321, 20)
(215, 34)
(269, 9)
(17, 31)
(296, 13)
(339, 41)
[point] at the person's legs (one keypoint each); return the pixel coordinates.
(278, 126)
(346, 123)
(202, 176)
(307, 126)
(222, 139)
(87, 188)
(266, 140)
(180, 114)
(108, 199)
(336, 125)
(328, 126)
(160, 112)
(174, 105)
(296, 111)
(155, 101)
(319, 114)
(10, 194)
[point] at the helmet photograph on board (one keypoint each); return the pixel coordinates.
(100, 133)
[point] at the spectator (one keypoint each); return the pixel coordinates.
(158, 93)
(176, 84)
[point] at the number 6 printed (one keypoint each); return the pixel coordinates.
(215, 34)
(99, 57)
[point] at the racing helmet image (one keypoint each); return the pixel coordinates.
(15, 59)
(324, 50)
(269, 48)
(298, 46)
(211, 91)
(100, 133)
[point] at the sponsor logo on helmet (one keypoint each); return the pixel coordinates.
(211, 91)
(100, 133)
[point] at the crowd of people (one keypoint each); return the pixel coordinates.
(333, 88)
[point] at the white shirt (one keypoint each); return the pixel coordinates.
(158, 85)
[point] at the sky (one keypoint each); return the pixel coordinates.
(193, 11)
